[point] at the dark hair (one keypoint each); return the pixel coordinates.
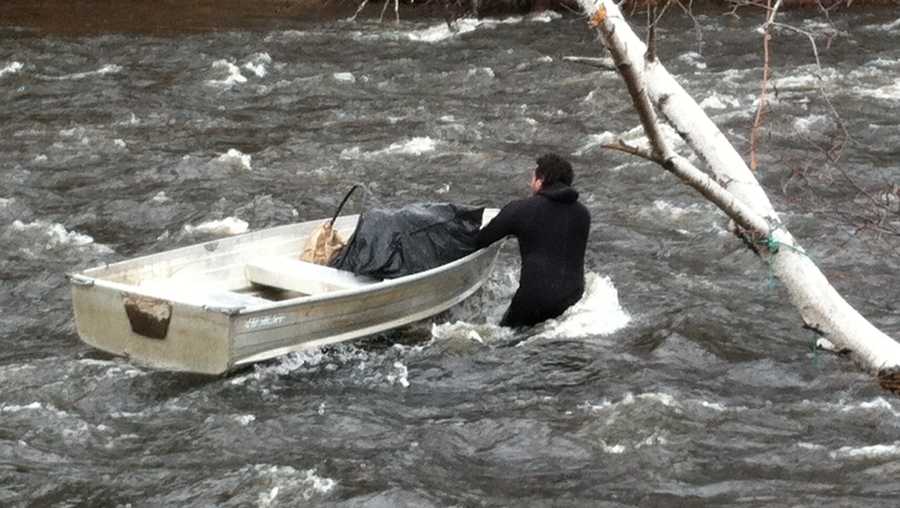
(552, 168)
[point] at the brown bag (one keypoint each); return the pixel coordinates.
(322, 245)
(325, 243)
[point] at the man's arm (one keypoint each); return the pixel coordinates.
(500, 226)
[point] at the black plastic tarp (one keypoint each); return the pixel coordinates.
(390, 243)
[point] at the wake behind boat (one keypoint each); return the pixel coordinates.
(217, 305)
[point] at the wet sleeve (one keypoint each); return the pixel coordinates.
(500, 226)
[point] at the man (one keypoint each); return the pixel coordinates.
(552, 229)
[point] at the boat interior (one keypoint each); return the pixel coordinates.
(248, 270)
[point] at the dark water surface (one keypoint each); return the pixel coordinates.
(684, 378)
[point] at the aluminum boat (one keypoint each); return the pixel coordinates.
(211, 307)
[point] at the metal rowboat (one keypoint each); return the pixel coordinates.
(211, 307)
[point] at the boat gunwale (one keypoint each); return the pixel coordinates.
(85, 274)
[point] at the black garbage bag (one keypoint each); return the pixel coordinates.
(390, 243)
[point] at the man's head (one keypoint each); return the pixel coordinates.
(551, 168)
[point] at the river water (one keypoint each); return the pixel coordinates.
(683, 378)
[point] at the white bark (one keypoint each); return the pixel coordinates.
(820, 306)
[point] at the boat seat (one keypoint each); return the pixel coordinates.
(197, 294)
(301, 276)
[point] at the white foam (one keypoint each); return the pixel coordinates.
(106, 69)
(236, 156)
(812, 25)
(867, 452)
(414, 146)
(614, 449)
(226, 226)
(877, 404)
(300, 359)
(319, 485)
(663, 398)
(344, 77)
(288, 34)
(883, 62)
(674, 212)
(805, 125)
(715, 406)
(891, 26)
(96, 363)
(14, 408)
(655, 439)
(5, 202)
(304, 361)
(109, 69)
(630, 398)
(287, 479)
(57, 234)
(257, 64)
(442, 32)
(12, 68)
(486, 71)
(234, 74)
(72, 132)
(594, 408)
(160, 197)
(114, 370)
(717, 101)
(399, 376)
(802, 81)
(597, 313)
(544, 17)
(245, 419)
(595, 140)
(693, 58)
(35, 406)
(889, 92)
(462, 330)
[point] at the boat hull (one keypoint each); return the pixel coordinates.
(191, 309)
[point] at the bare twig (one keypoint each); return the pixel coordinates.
(651, 33)
(359, 9)
(602, 63)
(689, 12)
(621, 146)
(763, 94)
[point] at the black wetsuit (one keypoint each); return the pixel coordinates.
(552, 229)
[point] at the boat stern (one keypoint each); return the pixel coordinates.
(153, 331)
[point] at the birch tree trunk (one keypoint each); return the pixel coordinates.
(735, 190)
